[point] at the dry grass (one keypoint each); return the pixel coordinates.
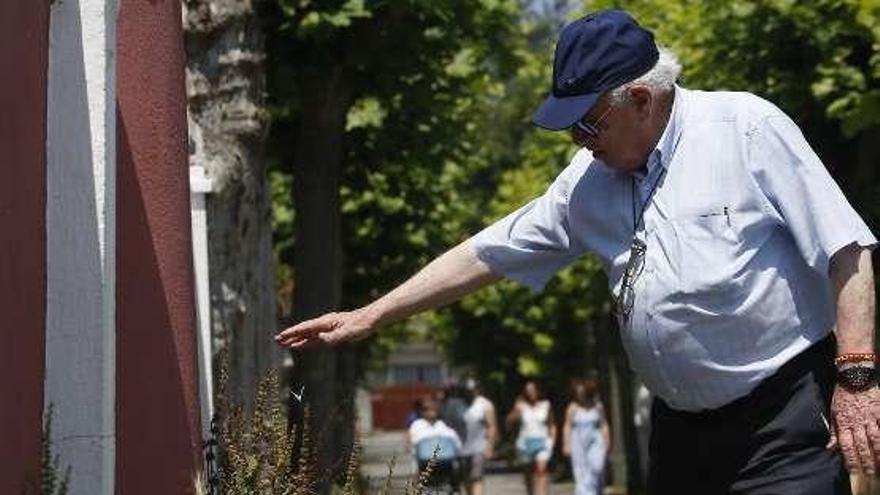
(258, 453)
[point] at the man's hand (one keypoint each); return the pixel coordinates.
(329, 329)
(855, 428)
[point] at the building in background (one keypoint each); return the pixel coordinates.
(415, 369)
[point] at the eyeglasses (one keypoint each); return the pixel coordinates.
(592, 129)
(623, 301)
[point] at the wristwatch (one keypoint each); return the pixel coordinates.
(857, 378)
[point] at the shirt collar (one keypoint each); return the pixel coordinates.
(672, 133)
(666, 145)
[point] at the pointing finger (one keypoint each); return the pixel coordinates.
(306, 329)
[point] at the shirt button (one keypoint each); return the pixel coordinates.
(650, 316)
(657, 352)
(675, 390)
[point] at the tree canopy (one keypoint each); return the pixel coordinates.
(437, 142)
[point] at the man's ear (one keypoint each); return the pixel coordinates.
(641, 99)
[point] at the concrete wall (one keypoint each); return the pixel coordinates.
(80, 209)
(23, 51)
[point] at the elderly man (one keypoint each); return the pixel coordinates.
(742, 277)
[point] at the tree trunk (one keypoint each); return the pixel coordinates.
(227, 126)
(326, 98)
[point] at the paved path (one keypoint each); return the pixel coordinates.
(380, 447)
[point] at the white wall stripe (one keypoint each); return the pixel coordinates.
(81, 238)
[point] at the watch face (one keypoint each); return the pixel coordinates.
(857, 378)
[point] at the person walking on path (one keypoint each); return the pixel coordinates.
(533, 416)
(452, 407)
(586, 438)
(479, 443)
(741, 275)
(435, 442)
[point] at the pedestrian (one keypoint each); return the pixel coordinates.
(586, 438)
(741, 275)
(436, 443)
(452, 407)
(532, 414)
(414, 413)
(481, 435)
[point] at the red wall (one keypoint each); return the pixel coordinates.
(390, 405)
(158, 444)
(24, 28)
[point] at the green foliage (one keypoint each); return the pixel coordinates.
(438, 142)
(437, 170)
(437, 145)
(805, 56)
(421, 73)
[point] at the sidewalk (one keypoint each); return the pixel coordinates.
(380, 447)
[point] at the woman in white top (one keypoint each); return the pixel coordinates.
(586, 438)
(537, 432)
(479, 442)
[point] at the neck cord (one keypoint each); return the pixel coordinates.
(637, 220)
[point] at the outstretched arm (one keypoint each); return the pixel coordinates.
(451, 276)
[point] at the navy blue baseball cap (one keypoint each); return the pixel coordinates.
(594, 54)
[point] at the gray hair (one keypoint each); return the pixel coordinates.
(661, 78)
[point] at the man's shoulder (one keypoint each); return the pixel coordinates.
(744, 108)
(581, 166)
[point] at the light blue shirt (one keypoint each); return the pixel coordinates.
(739, 234)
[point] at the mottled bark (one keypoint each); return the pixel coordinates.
(227, 125)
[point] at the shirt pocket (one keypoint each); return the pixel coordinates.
(709, 245)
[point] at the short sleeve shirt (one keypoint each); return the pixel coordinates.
(740, 221)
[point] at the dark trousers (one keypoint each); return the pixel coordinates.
(771, 442)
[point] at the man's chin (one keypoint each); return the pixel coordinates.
(614, 165)
(610, 163)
